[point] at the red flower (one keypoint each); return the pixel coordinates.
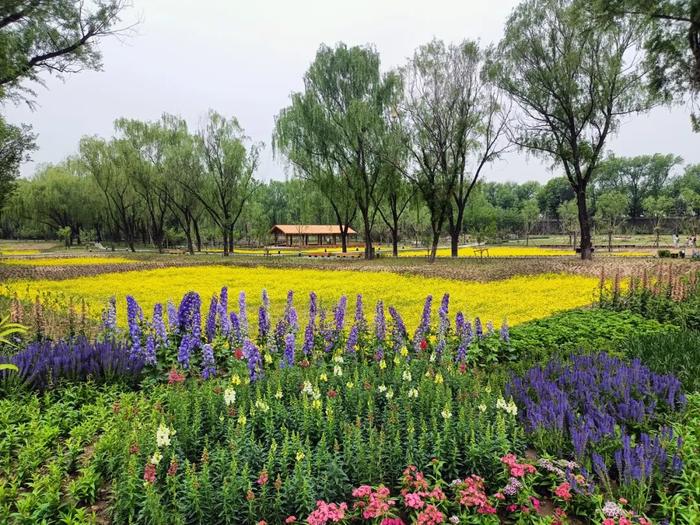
(172, 468)
(134, 448)
(563, 491)
(175, 377)
(238, 353)
(262, 479)
(423, 344)
(149, 473)
(332, 393)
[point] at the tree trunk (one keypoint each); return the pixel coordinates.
(610, 240)
(434, 246)
(225, 237)
(369, 250)
(527, 237)
(197, 235)
(344, 240)
(394, 242)
(584, 224)
(454, 243)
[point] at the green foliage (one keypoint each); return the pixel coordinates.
(680, 503)
(676, 353)
(590, 329)
(58, 37)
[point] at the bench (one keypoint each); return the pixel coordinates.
(481, 251)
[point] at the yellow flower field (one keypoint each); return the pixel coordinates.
(66, 261)
(495, 251)
(4, 253)
(518, 299)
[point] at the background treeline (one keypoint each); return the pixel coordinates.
(144, 204)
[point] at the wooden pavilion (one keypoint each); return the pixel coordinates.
(323, 234)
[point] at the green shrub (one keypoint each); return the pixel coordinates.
(589, 329)
(680, 502)
(676, 353)
(664, 254)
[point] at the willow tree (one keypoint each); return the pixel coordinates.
(454, 124)
(332, 130)
(227, 181)
(573, 78)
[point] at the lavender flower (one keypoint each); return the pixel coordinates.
(399, 334)
(44, 364)
(252, 355)
(208, 363)
(308, 339)
(353, 339)
(360, 314)
(159, 324)
(288, 357)
(478, 330)
(380, 322)
(134, 317)
(224, 320)
(150, 352)
(489, 327)
(424, 326)
(312, 308)
(109, 315)
(235, 329)
(263, 323)
(242, 315)
(505, 333)
(172, 316)
(340, 314)
(210, 330)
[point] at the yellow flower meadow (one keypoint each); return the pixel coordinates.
(495, 251)
(66, 261)
(4, 253)
(518, 299)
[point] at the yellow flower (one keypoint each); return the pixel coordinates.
(317, 404)
(242, 420)
(323, 377)
(235, 379)
(382, 364)
(278, 394)
(349, 385)
(300, 455)
(438, 379)
(268, 358)
(156, 457)
(404, 352)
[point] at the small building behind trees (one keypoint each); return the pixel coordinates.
(305, 234)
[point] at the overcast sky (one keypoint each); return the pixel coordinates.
(244, 58)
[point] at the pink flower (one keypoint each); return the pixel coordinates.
(392, 521)
(291, 519)
(326, 512)
(535, 503)
(499, 495)
(511, 508)
(563, 491)
(413, 500)
(431, 516)
(263, 478)
(437, 494)
(608, 521)
(624, 521)
(262, 522)
(362, 491)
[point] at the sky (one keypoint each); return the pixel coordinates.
(243, 59)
